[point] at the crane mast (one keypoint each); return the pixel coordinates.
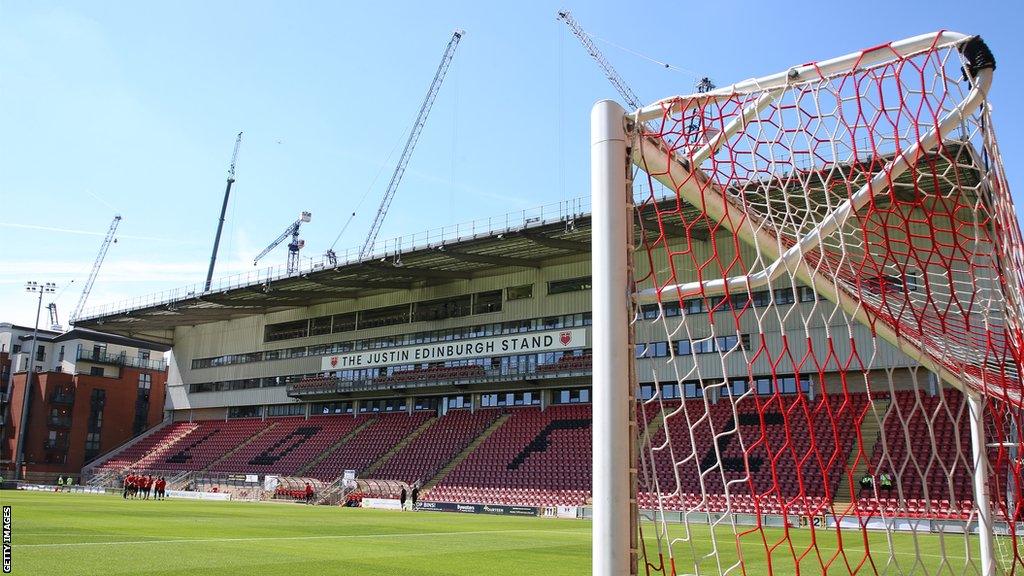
(293, 247)
(223, 210)
(54, 320)
(410, 144)
(96, 268)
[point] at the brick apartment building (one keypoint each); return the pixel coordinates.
(91, 393)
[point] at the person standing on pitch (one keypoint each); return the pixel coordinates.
(415, 495)
(401, 498)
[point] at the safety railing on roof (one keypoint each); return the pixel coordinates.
(547, 214)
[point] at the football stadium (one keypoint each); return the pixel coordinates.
(783, 335)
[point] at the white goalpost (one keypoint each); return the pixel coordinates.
(809, 247)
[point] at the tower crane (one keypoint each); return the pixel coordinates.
(293, 247)
(410, 144)
(609, 71)
(703, 85)
(107, 241)
(223, 209)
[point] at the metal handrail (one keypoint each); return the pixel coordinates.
(482, 227)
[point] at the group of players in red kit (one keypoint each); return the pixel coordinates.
(140, 486)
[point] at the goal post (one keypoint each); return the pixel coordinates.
(821, 336)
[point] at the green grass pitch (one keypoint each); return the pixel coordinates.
(105, 535)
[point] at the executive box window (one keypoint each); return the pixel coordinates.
(245, 411)
(572, 396)
(343, 322)
(653, 311)
(766, 385)
(571, 285)
(652, 350)
(428, 403)
(388, 405)
(40, 352)
(457, 402)
(332, 408)
(286, 410)
(519, 292)
(735, 387)
(320, 326)
(388, 316)
(529, 398)
(442, 308)
(286, 330)
(709, 345)
(486, 302)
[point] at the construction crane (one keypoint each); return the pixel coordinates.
(107, 241)
(293, 247)
(410, 144)
(223, 210)
(54, 321)
(609, 71)
(703, 85)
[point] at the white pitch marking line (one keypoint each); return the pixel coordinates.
(275, 538)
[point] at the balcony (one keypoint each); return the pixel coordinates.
(56, 445)
(570, 366)
(121, 360)
(64, 397)
(59, 422)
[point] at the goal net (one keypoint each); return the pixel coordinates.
(825, 323)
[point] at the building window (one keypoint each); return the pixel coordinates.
(519, 292)
(40, 352)
(767, 385)
(343, 322)
(142, 404)
(60, 356)
(388, 405)
(95, 371)
(427, 403)
(388, 316)
(572, 396)
(245, 411)
(143, 354)
(571, 285)
(442, 308)
(332, 408)
(652, 350)
(286, 330)
(15, 348)
(286, 410)
(806, 294)
(486, 302)
(97, 401)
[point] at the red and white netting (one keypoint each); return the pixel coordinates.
(828, 265)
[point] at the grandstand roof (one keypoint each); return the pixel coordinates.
(527, 241)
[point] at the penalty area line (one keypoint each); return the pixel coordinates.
(288, 538)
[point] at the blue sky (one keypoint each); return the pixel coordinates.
(133, 107)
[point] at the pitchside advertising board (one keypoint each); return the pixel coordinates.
(548, 341)
(479, 508)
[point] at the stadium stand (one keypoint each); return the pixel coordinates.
(542, 457)
(422, 458)
(369, 445)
